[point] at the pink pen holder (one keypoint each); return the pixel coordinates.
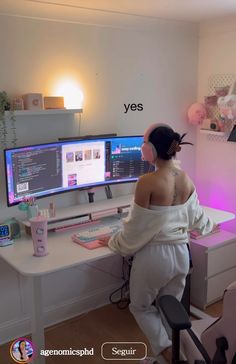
(39, 234)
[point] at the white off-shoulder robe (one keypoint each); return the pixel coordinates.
(160, 224)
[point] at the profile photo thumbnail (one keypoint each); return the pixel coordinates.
(22, 350)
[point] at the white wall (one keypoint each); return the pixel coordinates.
(215, 168)
(155, 66)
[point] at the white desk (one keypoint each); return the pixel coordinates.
(218, 216)
(63, 254)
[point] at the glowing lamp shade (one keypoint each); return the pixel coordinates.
(70, 90)
(196, 113)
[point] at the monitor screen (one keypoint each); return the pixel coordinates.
(46, 169)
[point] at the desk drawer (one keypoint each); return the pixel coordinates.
(217, 284)
(221, 259)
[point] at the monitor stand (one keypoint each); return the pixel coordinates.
(69, 217)
(108, 192)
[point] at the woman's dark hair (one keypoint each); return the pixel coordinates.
(166, 141)
(21, 354)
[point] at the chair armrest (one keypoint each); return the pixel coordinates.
(174, 313)
(178, 319)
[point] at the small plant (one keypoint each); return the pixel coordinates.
(5, 105)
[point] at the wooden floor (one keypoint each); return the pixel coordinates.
(91, 330)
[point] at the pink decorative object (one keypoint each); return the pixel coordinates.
(39, 235)
(222, 90)
(227, 106)
(196, 113)
(210, 100)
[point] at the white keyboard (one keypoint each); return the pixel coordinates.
(106, 227)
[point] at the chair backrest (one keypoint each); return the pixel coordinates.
(225, 326)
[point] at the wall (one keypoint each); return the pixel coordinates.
(215, 169)
(155, 65)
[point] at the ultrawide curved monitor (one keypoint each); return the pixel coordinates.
(47, 169)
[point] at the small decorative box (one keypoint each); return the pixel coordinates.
(54, 102)
(33, 101)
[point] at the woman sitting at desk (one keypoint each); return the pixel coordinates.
(156, 232)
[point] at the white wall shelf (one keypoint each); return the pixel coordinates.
(44, 112)
(212, 132)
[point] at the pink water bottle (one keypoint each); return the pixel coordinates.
(39, 233)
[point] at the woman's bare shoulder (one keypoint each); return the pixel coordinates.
(143, 190)
(188, 182)
(144, 182)
(147, 181)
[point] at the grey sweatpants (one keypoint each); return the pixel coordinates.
(156, 270)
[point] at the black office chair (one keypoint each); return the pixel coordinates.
(215, 342)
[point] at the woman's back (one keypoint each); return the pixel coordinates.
(168, 186)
